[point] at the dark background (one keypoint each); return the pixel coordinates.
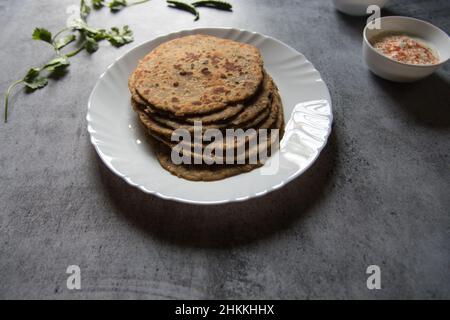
(378, 194)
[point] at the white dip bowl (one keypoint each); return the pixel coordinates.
(393, 70)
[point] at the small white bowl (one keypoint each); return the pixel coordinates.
(393, 70)
(357, 7)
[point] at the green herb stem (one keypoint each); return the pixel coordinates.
(184, 6)
(8, 93)
(77, 51)
(136, 2)
(216, 4)
(59, 33)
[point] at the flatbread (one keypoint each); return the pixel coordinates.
(164, 134)
(205, 172)
(218, 82)
(250, 152)
(199, 172)
(275, 121)
(251, 116)
(256, 107)
(221, 115)
(198, 74)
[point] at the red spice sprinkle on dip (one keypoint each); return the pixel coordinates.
(405, 49)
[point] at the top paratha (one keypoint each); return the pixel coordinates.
(198, 74)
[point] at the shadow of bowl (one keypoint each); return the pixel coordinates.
(426, 101)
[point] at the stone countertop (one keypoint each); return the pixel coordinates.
(378, 194)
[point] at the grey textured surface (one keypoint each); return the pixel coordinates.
(379, 193)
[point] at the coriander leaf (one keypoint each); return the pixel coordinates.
(33, 81)
(98, 4)
(57, 63)
(119, 37)
(82, 26)
(117, 5)
(77, 24)
(37, 83)
(65, 41)
(31, 74)
(85, 10)
(91, 45)
(184, 6)
(100, 35)
(216, 4)
(42, 35)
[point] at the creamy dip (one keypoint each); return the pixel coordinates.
(406, 49)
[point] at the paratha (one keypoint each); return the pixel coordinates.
(198, 74)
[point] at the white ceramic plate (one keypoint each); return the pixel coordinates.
(120, 142)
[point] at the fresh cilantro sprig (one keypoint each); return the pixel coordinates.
(43, 35)
(92, 36)
(216, 4)
(89, 37)
(38, 77)
(192, 7)
(98, 4)
(85, 10)
(184, 6)
(117, 5)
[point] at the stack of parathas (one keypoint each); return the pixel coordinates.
(218, 82)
